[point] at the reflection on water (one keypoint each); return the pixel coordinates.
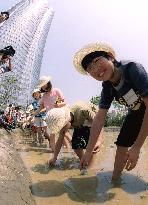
(63, 184)
(49, 188)
(41, 168)
(82, 188)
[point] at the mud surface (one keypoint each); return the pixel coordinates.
(14, 179)
(63, 184)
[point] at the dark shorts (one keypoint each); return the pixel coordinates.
(131, 127)
(80, 137)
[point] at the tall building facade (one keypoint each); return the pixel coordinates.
(26, 30)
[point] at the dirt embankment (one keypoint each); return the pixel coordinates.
(14, 179)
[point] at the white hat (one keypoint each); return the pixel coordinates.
(43, 81)
(29, 108)
(90, 48)
(36, 90)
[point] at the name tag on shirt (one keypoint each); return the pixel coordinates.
(130, 97)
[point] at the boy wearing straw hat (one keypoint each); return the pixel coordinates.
(127, 82)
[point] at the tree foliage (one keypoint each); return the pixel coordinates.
(9, 89)
(116, 116)
(95, 100)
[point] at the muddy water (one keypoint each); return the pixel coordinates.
(63, 184)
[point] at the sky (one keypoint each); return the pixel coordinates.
(79, 22)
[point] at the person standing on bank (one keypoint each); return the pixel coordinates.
(5, 59)
(127, 82)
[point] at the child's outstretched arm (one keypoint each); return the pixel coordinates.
(96, 129)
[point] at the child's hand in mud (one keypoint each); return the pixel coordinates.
(85, 160)
(97, 147)
(132, 158)
(52, 161)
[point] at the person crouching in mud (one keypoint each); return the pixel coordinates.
(81, 117)
(5, 59)
(127, 82)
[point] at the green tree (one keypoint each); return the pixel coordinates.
(114, 117)
(95, 100)
(117, 105)
(9, 89)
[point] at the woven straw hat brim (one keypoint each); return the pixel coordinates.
(79, 56)
(83, 106)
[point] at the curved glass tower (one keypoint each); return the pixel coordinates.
(26, 30)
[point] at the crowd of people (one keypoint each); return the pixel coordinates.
(50, 114)
(50, 117)
(53, 118)
(13, 117)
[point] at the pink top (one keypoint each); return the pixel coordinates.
(48, 99)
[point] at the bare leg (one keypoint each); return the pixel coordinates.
(46, 135)
(66, 144)
(40, 137)
(79, 153)
(120, 162)
(68, 136)
(52, 141)
(67, 141)
(59, 143)
(35, 137)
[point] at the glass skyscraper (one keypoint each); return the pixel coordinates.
(26, 30)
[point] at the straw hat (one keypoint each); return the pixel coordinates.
(90, 48)
(43, 81)
(81, 110)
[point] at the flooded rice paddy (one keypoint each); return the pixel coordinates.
(63, 184)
